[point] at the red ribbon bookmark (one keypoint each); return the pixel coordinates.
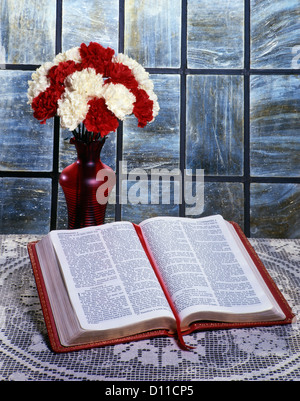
(180, 339)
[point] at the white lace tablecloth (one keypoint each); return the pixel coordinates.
(267, 353)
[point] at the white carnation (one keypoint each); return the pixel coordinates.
(72, 109)
(40, 82)
(156, 107)
(119, 100)
(59, 58)
(81, 86)
(87, 83)
(71, 54)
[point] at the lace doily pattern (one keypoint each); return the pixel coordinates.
(264, 353)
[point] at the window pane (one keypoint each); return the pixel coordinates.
(275, 210)
(25, 205)
(275, 32)
(25, 144)
(225, 198)
(164, 205)
(156, 145)
(86, 21)
(152, 32)
(215, 34)
(215, 124)
(275, 128)
(27, 29)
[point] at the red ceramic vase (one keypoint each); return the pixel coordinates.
(80, 185)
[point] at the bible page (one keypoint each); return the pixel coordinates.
(108, 277)
(203, 268)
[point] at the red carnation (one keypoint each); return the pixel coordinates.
(45, 104)
(99, 118)
(143, 108)
(59, 73)
(121, 74)
(96, 56)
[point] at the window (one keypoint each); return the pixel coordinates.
(227, 78)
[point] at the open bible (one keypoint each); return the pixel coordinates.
(167, 276)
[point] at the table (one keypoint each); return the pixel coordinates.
(265, 353)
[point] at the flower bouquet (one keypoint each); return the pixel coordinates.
(90, 89)
(90, 85)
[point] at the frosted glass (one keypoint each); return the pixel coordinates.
(136, 213)
(27, 31)
(275, 210)
(215, 34)
(25, 144)
(25, 205)
(225, 198)
(86, 21)
(275, 32)
(152, 32)
(274, 125)
(156, 145)
(214, 127)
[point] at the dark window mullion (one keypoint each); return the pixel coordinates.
(183, 69)
(119, 144)
(55, 174)
(59, 16)
(56, 128)
(247, 177)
